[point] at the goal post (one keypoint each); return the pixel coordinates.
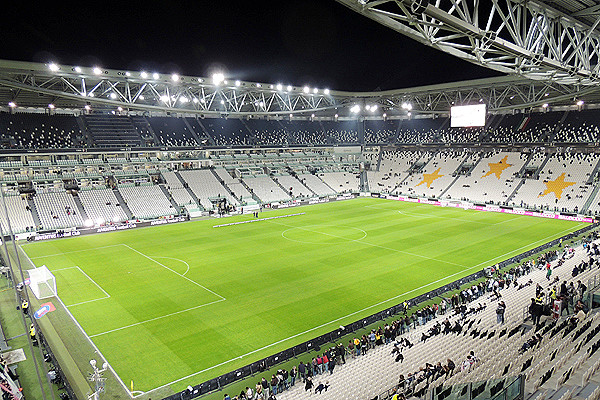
(41, 282)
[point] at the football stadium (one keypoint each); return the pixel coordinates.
(172, 236)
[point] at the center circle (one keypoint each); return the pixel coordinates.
(324, 234)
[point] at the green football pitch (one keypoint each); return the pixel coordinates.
(180, 304)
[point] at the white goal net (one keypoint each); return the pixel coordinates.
(41, 282)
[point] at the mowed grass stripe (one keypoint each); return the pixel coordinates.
(277, 288)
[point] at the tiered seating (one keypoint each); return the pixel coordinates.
(579, 127)
(38, 131)
(304, 132)
(21, 219)
(342, 181)
(492, 179)
(147, 202)
(206, 186)
(235, 185)
(315, 184)
(392, 171)
(57, 210)
(101, 205)
(422, 130)
(341, 131)
(172, 132)
(265, 189)
(435, 176)
(461, 135)
(112, 131)
(294, 187)
(267, 133)
(180, 194)
(562, 185)
(227, 132)
(380, 132)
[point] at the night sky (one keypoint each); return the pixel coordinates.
(319, 43)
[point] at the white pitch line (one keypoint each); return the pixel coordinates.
(175, 272)
(74, 251)
(353, 313)
(107, 296)
(177, 259)
(373, 244)
(157, 318)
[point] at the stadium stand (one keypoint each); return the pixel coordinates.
(21, 219)
(101, 205)
(39, 131)
(461, 342)
(146, 202)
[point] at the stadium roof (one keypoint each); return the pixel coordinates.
(555, 40)
(78, 89)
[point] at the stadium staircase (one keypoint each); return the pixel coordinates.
(197, 138)
(170, 197)
(187, 187)
(112, 131)
(379, 158)
(34, 213)
(593, 174)
(80, 207)
(274, 179)
(541, 167)
(364, 181)
(519, 176)
(226, 187)
(123, 204)
(210, 138)
(590, 199)
(144, 125)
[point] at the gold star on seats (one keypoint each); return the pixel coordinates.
(429, 178)
(498, 168)
(556, 186)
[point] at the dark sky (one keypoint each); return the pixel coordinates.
(316, 42)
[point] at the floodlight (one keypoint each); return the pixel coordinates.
(258, 85)
(238, 83)
(143, 74)
(91, 94)
(78, 69)
(53, 67)
(368, 107)
(164, 98)
(183, 99)
(545, 105)
(374, 108)
(306, 89)
(580, 102)
(175, 78)
(51, 106)
(127, 73)
(195, 100)
(279, 86)
(289, 88)
(142, 97)
(222, 101)
(315, 90)
(97, 71)
(113, 95)
(355, 108)
(155, 75)
(12, 104)
(326, 91)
